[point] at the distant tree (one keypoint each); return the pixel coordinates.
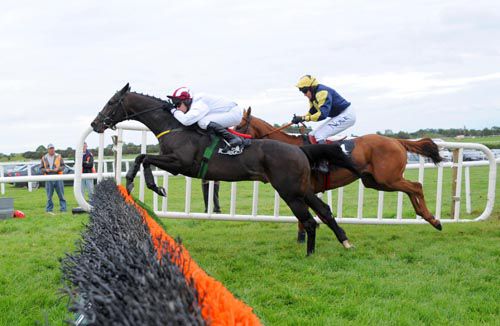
(403, 135)
(31, 155)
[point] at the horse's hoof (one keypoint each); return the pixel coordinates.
(309, 253)
(162, 192)
(301, 237)
(347, 244)
(130, 187)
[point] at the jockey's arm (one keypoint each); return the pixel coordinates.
(197, 111)
(324, 100)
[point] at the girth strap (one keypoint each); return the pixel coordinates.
(207, 155)
(163, 133)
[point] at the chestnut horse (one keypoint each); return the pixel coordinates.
(381, 161)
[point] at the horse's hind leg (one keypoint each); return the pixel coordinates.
(326, 216)
(415, 192)
(132, 172)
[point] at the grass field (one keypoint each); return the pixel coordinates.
(396, 275)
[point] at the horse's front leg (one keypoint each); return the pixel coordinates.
(169, 163)
(132, 172)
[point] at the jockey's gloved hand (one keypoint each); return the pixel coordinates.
(297, 119)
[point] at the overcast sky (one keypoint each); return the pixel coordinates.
(404, 65)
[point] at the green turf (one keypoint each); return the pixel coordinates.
(396, 275)
(30, 249)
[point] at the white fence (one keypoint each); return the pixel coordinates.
(162, 209)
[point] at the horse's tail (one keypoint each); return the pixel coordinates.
(331, 152)
(425, 147)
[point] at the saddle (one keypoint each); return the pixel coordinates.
(215, 140)
(226, 149)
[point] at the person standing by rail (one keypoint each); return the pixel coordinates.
(52, 164)
(87, 167)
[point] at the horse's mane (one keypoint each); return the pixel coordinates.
(152, 97)
(267, 124)
(271, 127)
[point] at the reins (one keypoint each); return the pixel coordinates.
(278, 129)
(128, 117)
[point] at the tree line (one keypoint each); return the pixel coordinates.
(436, 133)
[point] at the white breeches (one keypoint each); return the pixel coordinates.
(226, 119)
(335, 125)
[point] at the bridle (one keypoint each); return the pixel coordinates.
(277, 129)
(247, 119)
(108, 122)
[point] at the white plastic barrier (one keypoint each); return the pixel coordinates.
(276, 217)
(101, 166)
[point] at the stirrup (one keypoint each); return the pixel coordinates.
(227, 150)
(323, 167)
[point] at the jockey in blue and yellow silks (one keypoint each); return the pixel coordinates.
(327, 106)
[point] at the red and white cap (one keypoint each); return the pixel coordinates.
(180, 94)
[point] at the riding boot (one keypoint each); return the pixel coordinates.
(231, 139)
(323, 165)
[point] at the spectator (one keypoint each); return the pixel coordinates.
(52, 164)
(87, 167)
(204, 186)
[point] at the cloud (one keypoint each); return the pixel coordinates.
(408, 85)
(63, 60)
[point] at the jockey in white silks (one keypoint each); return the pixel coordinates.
(211, 113)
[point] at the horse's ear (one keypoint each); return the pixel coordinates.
(249, 111)
(125, 89)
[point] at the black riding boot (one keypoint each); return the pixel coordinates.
(232, 139)
(323, 165)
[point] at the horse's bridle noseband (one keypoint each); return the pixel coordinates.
(106, 120)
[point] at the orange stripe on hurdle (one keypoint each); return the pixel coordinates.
(218, 305)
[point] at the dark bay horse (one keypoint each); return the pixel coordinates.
(286, 167)
(381, 161)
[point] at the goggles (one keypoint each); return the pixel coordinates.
(303, 90)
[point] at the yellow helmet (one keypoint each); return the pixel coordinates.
(307, 81)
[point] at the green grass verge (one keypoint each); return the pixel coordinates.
(396, 275)
(30, 249)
